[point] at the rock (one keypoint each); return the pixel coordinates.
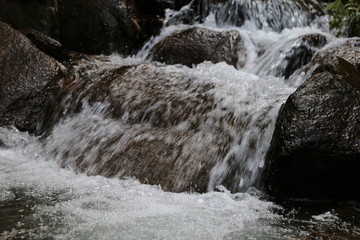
(196, 45)
(159, 6)
(160, 125)
(315, 151)
(28, 80)
(93, 27)
(105, 26)
(31, 14)
(155, 6)
(46, 44)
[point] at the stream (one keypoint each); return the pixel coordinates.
(44, 196)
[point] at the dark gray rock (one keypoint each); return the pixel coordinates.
(28, 80)
(196, 45)
(105, 26)
(40, 15)
(315, 151)
(93, 27)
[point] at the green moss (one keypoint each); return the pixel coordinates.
(345, 15)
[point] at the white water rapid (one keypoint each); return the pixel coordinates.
(41, 200)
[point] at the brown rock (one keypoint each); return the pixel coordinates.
(28, 80)
(196, 45)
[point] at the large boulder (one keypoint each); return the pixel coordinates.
(196, 45)
(104, 26)
(315, 151)
(89, 26)
(28, 80)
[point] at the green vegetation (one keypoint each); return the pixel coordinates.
(345, 15)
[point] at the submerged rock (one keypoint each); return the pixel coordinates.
(315, 151)
(28, 80)
(196, 45)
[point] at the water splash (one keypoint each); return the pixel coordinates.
(266, 15)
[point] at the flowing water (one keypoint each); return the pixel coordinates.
(41, 200)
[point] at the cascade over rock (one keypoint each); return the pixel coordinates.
(265, 14)
(160, 125)
(196, 45)
(28, 80)
(290, 56)
(315, 151)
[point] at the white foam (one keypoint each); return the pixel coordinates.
(98, 208)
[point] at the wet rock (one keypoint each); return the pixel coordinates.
(104, 26)
(160, 123)
(196, 45)
(28, 80)
(31, 14)
(315, 150)
(47, 44)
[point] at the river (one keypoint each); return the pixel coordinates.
(41, 200)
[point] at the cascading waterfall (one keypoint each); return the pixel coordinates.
(265, 14)
(178, 128)
(235, 130)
